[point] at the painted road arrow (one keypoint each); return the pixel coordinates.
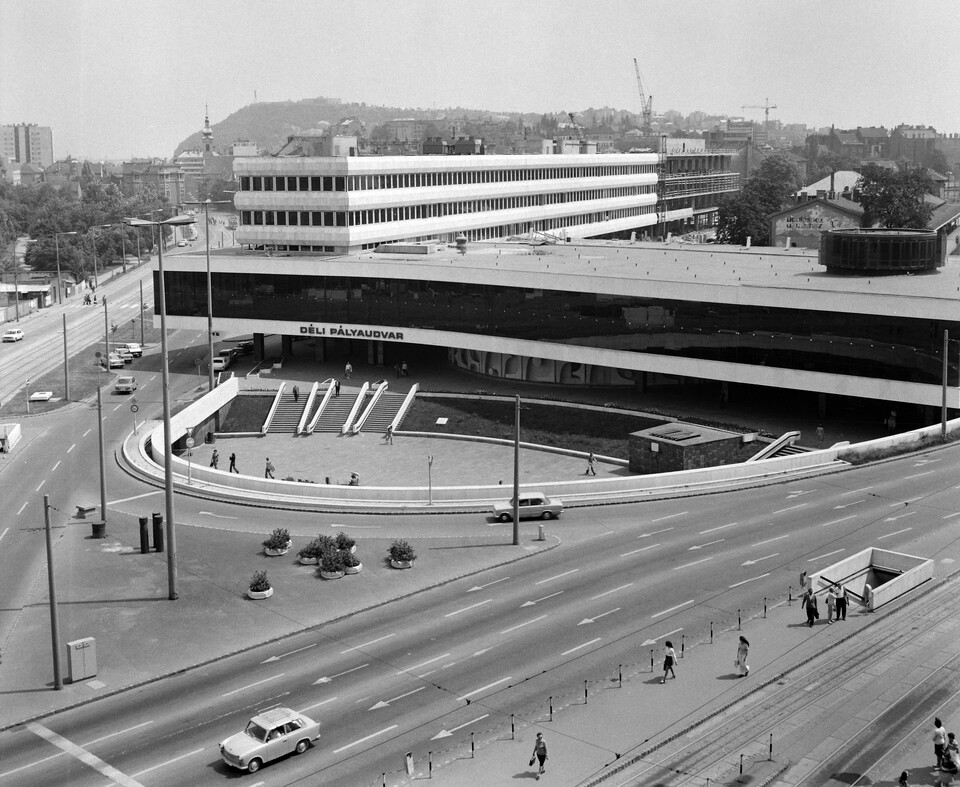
(847, 505)
(754, 562)
(537, 601)
(597, 617)
(386, 703)
(662, 636)
(709, 543)
(340, 674)
(448, 733)
(284, 655)
(481, 587)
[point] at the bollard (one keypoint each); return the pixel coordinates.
(584, 692)
(430, 764)
(551, 709)
(789, 596)
(741, 765)
(682, 637)
(144, 536)
(738, 620)
(770, 755)
(158, 532)
(540, 537)
(651, 659)
(711, 632)
(384, 781)
(764, 606)
(513, 730)
(473, 747)
(620, 675)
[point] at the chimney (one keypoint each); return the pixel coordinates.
(831, 181)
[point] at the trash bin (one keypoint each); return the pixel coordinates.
(99, 529)
(144, 536)
(158, 531)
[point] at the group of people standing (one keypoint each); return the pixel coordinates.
(837, 599)
(946, 752)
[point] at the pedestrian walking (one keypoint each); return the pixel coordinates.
(336, 388)
(819, 437)
(539, 754)
(404, 369)
(348, 370)
(939, 740)
(296, 394)
(669, 659)
(396, 368)
(810, 605)
(831, 604)
(841, 602)
(215, 459)
(803, 580)
(743, 648)
(591, 465)
(268, 470)
(233, 464)
(904, 779)
(388, 435)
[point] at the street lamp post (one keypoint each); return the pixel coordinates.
(56, 240)
(206, 233)
(167, 430)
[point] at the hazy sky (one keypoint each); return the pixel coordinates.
(116, 79)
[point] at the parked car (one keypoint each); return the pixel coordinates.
(181, 243)
(268, 736)
(124, 353)
(125, 384)
(533, 505)
(12, 335)
(135, 349)
(115, 361)
(244, 347)
(221, 363)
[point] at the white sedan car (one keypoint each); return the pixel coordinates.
(12, 335)
(272, 734)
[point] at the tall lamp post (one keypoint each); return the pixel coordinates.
(206, 232)
(167, 431)
(56, 240)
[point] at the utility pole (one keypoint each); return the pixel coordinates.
(51, 582)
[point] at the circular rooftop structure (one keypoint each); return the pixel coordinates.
(879, 250)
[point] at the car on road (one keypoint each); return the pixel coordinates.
(125, 384)
(135, 349)
(269, 735)
(244, 347)
(123, 352)
(533, 505)
(181, 243)
(222, 362)
(115, 361)
(12, 335)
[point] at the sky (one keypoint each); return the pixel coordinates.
(117, 79)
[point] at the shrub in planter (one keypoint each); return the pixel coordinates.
(278, 539)
(313, 550)
(331, 561)
(345, 543)
(260, 586)
(349, 561)
(402, 552)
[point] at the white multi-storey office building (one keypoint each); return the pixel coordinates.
(349, 204)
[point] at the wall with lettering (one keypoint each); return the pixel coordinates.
(805, 222)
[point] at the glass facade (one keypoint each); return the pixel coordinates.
(886, 347)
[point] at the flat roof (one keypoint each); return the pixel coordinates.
(760, 276)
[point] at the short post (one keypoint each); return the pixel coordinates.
(711, 632)
(738, 620)
(158, 531)
(584, 692)
(513, 731)
(540, 536)
(383, 783)
(651, 659)
(770, 753)
(741, 765)
(430, 764)
(551, 709)
(473, 747)
(789, 596)
(144, 535)
(682, 645)
(620, 675)
(764, 606)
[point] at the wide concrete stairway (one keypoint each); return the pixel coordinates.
(385, 411)
(337, 410)
(287, 416)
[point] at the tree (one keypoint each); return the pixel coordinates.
(895, 198)
(746, 214)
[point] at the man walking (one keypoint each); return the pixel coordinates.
(348, 370)
(591, 465)
(268, 470)
(841, 602)
(233, 464)
(296, 394)
(336, 388)
(215, 459)
(388, 435)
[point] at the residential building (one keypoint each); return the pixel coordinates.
(27, 143)
(801, 225)
(913, 144)
(166, 179)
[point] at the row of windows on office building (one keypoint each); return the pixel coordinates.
(478, 233)
(357, 218)
(406, 180)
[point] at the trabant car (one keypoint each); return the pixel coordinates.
(12, 335)
(533, 505)
(268, 736)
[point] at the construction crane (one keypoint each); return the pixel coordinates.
(577, 126)
(766, 106)
(646, 104)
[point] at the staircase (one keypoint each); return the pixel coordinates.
(387, 407)
(287, 416)
(338, 409)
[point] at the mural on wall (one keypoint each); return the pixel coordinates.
(804, 224)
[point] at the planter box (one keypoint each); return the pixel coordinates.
(353, 569)
(309, 561)
(275, 552)
(260, 594)
(401, 563)
(331, 574)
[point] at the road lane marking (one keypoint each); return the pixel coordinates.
(386, 703)
(288, 653)
(40, 484)
(608, 592)
(448, 733)
(799, 492)
(655, 532)
(521, 625)
(365, 644)
(119, 732)
(902, 516)
(83, 755)
(71, 448)
(712, 529)
(481, 587)
(340, 674)
(906, 502)
(86, 433)
(558, 576)
(895, 533)
(218, 516)
(165, 763)
(117, 407)
(672, 609)
(856, 491)
(770, 540)
(745, 581)
(484, 688)
(790, 508)
(55, 466)
(5, 531)
(918, 475)
(136, 497)
(421, 664)
(580, 647)
(662, 636)
(752, 562)
(838, 521)
(848, 505)
(597, 617)
(951, 516)
(537, 601)
(821, 557)
(22, 507)
(364, 740)
(671, 516)
(318, 704)
(467, 609)
(251, 685)
(695, 562)
(709, 543)
(642, 549)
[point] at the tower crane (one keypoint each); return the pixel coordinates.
(577, 126)
(766, 106)
(646, 104)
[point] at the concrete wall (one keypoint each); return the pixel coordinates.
(860, 569)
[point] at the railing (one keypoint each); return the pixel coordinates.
(407, 404)
(331, 384)
(788, 438)
(348, 424)
(273, 409)
(301, 426)
(381, 388)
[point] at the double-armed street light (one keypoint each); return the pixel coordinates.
(165, 368)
